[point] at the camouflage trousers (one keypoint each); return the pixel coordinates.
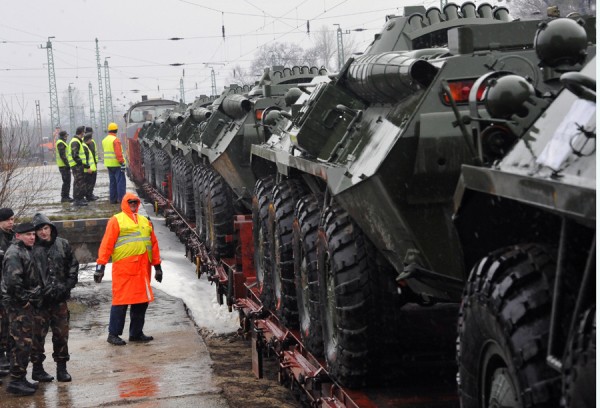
(21, 331)
(4, 334)
(56, 318)
(79, 186)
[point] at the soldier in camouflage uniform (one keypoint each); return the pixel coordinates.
(21, 293)
(90, 178)
(7, 221)
(59, 267)
(78, 161)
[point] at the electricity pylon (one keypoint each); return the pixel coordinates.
(54, 112)
(100, 92)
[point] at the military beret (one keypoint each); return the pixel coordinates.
(6, 213)
(24, 227)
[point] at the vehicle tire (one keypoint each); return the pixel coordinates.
(261, 199)
(187, 190)
(148, 165)
(579, 368)
(304, 249)
(162, 170)
(219, 216)
(503, 329)
(199, 175)
(281, 217)
(175, 182)
(349, 315)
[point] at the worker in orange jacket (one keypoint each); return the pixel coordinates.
(130, 240)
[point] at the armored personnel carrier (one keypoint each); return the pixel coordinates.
(527, 224)
(354, 202)
(212, 164)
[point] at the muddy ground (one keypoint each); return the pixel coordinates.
(232, 364)
(183, 367)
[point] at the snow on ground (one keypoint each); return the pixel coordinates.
(179, 275)
(179, 280)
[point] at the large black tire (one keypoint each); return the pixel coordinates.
(175, 183)
(281, 217)
(187, 190)
(219, 214)
(503, 331)
(148, 164)
(199, 175)
(579, 368)
(261, 200)
(304, 248)
(347, 292)
(162, 172)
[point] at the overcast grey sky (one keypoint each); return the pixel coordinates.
(134, 36)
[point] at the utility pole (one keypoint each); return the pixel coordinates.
(54, 112)
(38, 115)
(213, 81)
(109, 106)
(100, 93)
(340, 47)
(93, 123)
(181, 88)
(71, 110)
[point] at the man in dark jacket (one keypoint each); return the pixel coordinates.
(7, 222)
(21, 290)
(62, 161)
(58, 268)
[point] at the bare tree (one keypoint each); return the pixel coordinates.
(277, 54)
(527, 9)
(22, 183)
(242, 76)
(325, 49)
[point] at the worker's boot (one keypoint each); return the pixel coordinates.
(39, 374)
(61, 372)
(20, 386)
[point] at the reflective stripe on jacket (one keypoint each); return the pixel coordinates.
(59, 161)
(132, 261)
(134, 239)
(88, 159)
(72, 162)
(108, 146)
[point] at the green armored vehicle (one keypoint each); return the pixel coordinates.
(527, 224)
(220, 178)
(354, 200)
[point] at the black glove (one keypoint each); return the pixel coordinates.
(158, 273)
(99, 274)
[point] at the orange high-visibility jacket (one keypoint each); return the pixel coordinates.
(131, 271)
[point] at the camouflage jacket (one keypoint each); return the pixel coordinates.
(55, 259)
(5, 239)
(21, 279)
